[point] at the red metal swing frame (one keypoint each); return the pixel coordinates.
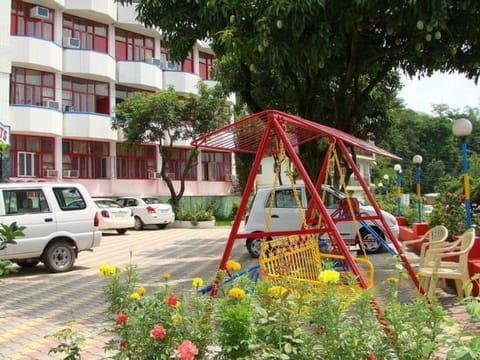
(261, 134)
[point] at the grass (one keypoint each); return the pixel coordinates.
(223, 222)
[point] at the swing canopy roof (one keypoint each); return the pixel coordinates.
(246, 135)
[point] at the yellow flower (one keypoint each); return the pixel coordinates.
(233, 265)
(134, 296)
(107, 270)
(277, 291)
(177, 318)
(166, 276)
(329, 276)
(236, 293)
(197, 282)
(141, 290)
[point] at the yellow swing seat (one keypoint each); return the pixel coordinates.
(296, 259)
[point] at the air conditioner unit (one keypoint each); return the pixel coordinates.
(51, 104)
(171, 65)
(50, 173)
(39, 12)
(155, 61)
(68, 108)
(154, 175)
(70, 173)
(171, 176)
(73, 43)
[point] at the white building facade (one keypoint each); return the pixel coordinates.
(65, 64)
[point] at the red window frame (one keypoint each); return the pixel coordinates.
(90, 158)
(131, 46)
(22, 24)
(186, 66)
(135, 161)
(205, 63)
(93, 35)
(31, 155)
(216, 165)
(85, 95)
(177, 163)
(32, 87)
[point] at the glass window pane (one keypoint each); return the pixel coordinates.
(33, 77)
(101, 89)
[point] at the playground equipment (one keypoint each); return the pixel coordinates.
(270, 133)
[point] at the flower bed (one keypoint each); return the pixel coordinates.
(265, 320)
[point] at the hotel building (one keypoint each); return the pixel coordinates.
(64, 65)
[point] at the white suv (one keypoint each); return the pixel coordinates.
(286, 216)
(60, 220)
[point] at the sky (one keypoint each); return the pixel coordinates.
(454, 90)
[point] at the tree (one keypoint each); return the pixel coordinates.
(164, 118)
(333, 62)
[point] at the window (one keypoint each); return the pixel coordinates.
(187, 65)
(215, 165)
(123, 92)
(132, 46)
(176, 165)
(90, 158)
(31, 87)
(85, 95)
(31, 155)
(69, 198)
(25, 201)
(206, 64)
(92, 35)
(136, 161)
(22, 23)
(284, 199)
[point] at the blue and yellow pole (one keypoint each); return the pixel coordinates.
(466, 183)
(419, 192)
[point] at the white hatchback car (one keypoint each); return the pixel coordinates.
(285, 216)
(148, 210)
(113, 216)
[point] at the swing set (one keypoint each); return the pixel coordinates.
(294, 254)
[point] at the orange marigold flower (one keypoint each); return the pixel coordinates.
(236, 293)
(233, 265)
(141, 290)
(166, 276)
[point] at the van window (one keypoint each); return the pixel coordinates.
(24, 201)
(69, 198)
(284, 199)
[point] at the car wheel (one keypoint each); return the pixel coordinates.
(27, 264)
(161, 226)
(253, 247)
(121, 231)
(59, 257)
(138, 223)
(371, 244)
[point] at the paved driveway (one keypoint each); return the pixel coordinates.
(34, 303)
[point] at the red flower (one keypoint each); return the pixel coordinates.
(187, 350)
(121, 318)
(122, 345)
(371, 357)
(158, 332)
(172, 301)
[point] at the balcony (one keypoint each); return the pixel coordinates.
(139, 75)
(36, 53)
(36, 119)
(183, 82)
(104, 11)
(52, 4)
(88, 64)
(88, 125)
(126, 19)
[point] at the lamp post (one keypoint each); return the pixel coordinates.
(386, 179)
(417, 161)
(461, 129)
(398, 171)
